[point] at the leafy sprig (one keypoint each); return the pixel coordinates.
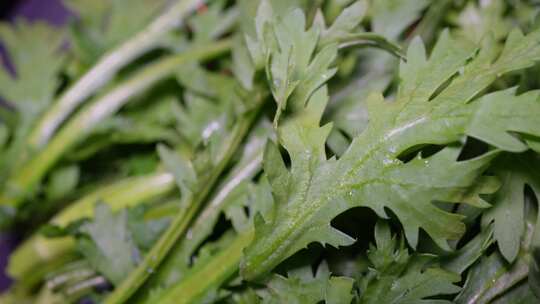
(226, 207)
(370, 173)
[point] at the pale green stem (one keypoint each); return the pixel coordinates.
(182, 220)
(39, 250)
(373, 40)
(211, 275)
(23, 180)
(107, 67)
(199, 229)
(24, 288)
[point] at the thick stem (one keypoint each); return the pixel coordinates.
(146, 40)
(80, 125)
(39, 250)
(202, 227)
(211, 276)
(182, 220)
(35, 278)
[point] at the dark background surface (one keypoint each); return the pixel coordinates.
(50, 10)
(53, 12)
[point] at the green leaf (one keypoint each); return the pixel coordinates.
(294, 69)
(478, 20)
(507, 213)
(289, 57)
(142, 124)
(491, 277)
(534, 272)
(213, 266)
(210, 106)
(501, 113)
(232, 194)
(431, 107)
(391, 17)
(145, 232)
(34, 52)
(197, 274)
(243, 66)
(298, 60)
(534, 264)
(255, 38)
(62, 181)
(247, 297)
(345, 23)
(521, 294)
(212, 22)
(255, 14)
(104, 24)
(181, 168)
(398, 277)
(443, 151)
(461, 259)
(347, 109)
(302, 286)
(109, 247)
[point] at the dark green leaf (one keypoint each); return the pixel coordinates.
(397, 277)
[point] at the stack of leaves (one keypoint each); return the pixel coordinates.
(273, 151)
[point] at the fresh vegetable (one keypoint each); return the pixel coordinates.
(273, 151)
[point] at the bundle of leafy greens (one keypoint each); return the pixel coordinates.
(273, 151)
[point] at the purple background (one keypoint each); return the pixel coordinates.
(55, 13)
(50, 10)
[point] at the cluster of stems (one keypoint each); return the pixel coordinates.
(61, 128)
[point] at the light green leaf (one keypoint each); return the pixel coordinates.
(461, 259)
(345, 23)
(347, 109)
(431, 107)
(243, 66)
(110, 248)
(521, 294)
(34, 52)
(255, 41)
(515, 172)
(145, 231)
(289, 58)
(491, 277)
(181, 168)
(232, 195)
(62, 181)
(247, 297)
(294, 66)
(534, 265)
(303, 287)
(501, 113)
(212, 22)
(478, 20)
(397, 277)
(391, 17)
(104, 24)
(196, 79)
(210, 107)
